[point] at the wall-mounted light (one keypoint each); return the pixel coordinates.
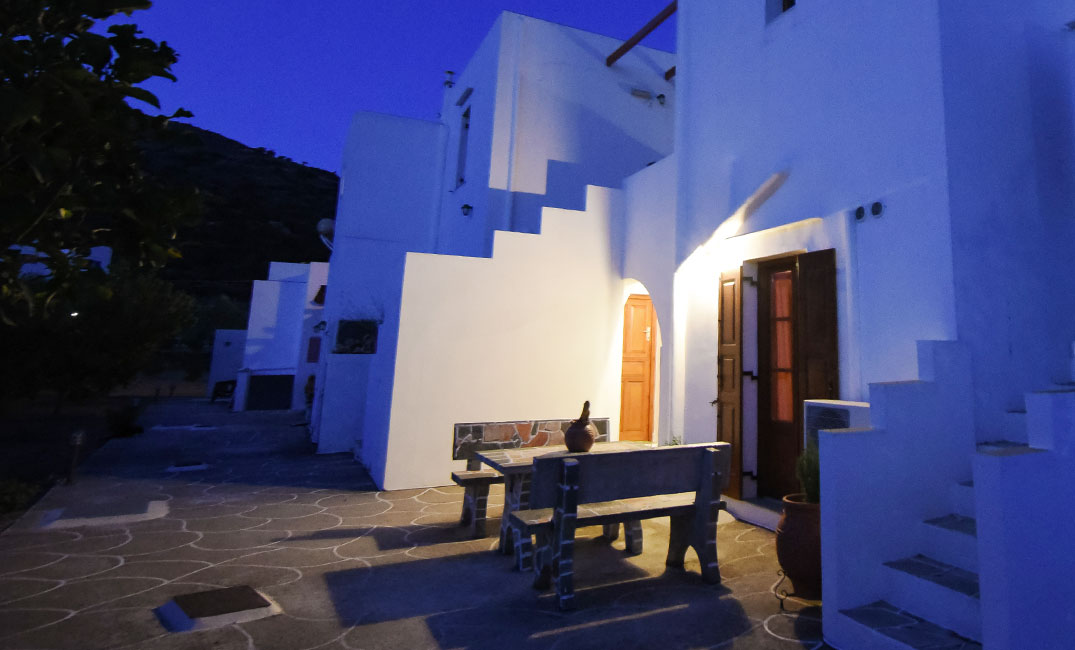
(660, 99)
(467, 209)
(74, 314)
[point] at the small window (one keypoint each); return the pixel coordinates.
(464, 136)
(356, 337)
(775, 8)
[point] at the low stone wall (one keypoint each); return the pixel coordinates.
(479, 436)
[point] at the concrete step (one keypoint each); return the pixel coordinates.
(961, 498)
(1012, 426)
(883, 626)
(938, 592)
(952, 539)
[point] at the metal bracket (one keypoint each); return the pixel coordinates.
(751, 280)
(750, 374)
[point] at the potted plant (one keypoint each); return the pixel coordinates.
(798, 535)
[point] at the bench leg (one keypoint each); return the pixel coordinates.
(610, 532)
(475, 509)
(563, 535)
(524, 551)
(632, 536)
(679, 535)
(516, 497)
(543, 560)
(705, 541)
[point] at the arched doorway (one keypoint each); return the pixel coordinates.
(638, 381)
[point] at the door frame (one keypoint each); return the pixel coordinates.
(809, 371)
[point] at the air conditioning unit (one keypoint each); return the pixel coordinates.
(825, 414)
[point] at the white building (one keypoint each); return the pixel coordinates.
(283, 344)
(229, 351)
(869, 202)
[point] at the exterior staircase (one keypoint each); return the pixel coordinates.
(928, 594)
(933, 597)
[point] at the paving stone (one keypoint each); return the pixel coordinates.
(238, 540)
(15, 589)
(225, 524)
(235, 574)
(286, 631)
(368, 509)
(72, 567)
(946, 575)
(18, 561)
(164, 569)
(87, 593)
(89, 545)
(14, 621)
(394, 566)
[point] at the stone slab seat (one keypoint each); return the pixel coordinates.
(475, 483)
(568, 491)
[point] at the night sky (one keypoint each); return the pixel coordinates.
(289, 75)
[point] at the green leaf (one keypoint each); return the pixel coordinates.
(143, 95)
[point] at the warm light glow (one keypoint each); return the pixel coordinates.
(73, 314)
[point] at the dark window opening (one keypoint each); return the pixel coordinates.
(464, 137)
(356, 337)
(313, 350)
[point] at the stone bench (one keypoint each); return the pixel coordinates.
(569, 491)
(471, 437)
(475, 483)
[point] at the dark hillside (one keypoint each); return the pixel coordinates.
(258, 207)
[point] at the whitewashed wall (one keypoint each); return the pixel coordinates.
(548, 118)
(316, 276)
(528, 334)
(1009, 122)
(648, 236)
(389, 204)
(831, 95)
(228, 350)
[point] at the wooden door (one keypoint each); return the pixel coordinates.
(797, 359)
(636, 380)
(778, 438)
(817, 362)
(729, 374)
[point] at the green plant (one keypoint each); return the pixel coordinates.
(808, 471)
(16, 494)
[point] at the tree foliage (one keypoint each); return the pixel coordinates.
(96, 337)
(71, 172)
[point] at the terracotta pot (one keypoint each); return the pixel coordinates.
(798, 545)
(581, 434)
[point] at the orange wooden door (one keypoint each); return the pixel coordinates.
(636, 380)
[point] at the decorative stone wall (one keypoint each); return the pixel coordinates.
(479, 436)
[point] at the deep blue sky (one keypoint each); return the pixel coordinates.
(289, 75)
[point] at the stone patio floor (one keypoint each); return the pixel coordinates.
(350, 567)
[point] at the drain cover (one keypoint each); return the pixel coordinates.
(214, 608)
